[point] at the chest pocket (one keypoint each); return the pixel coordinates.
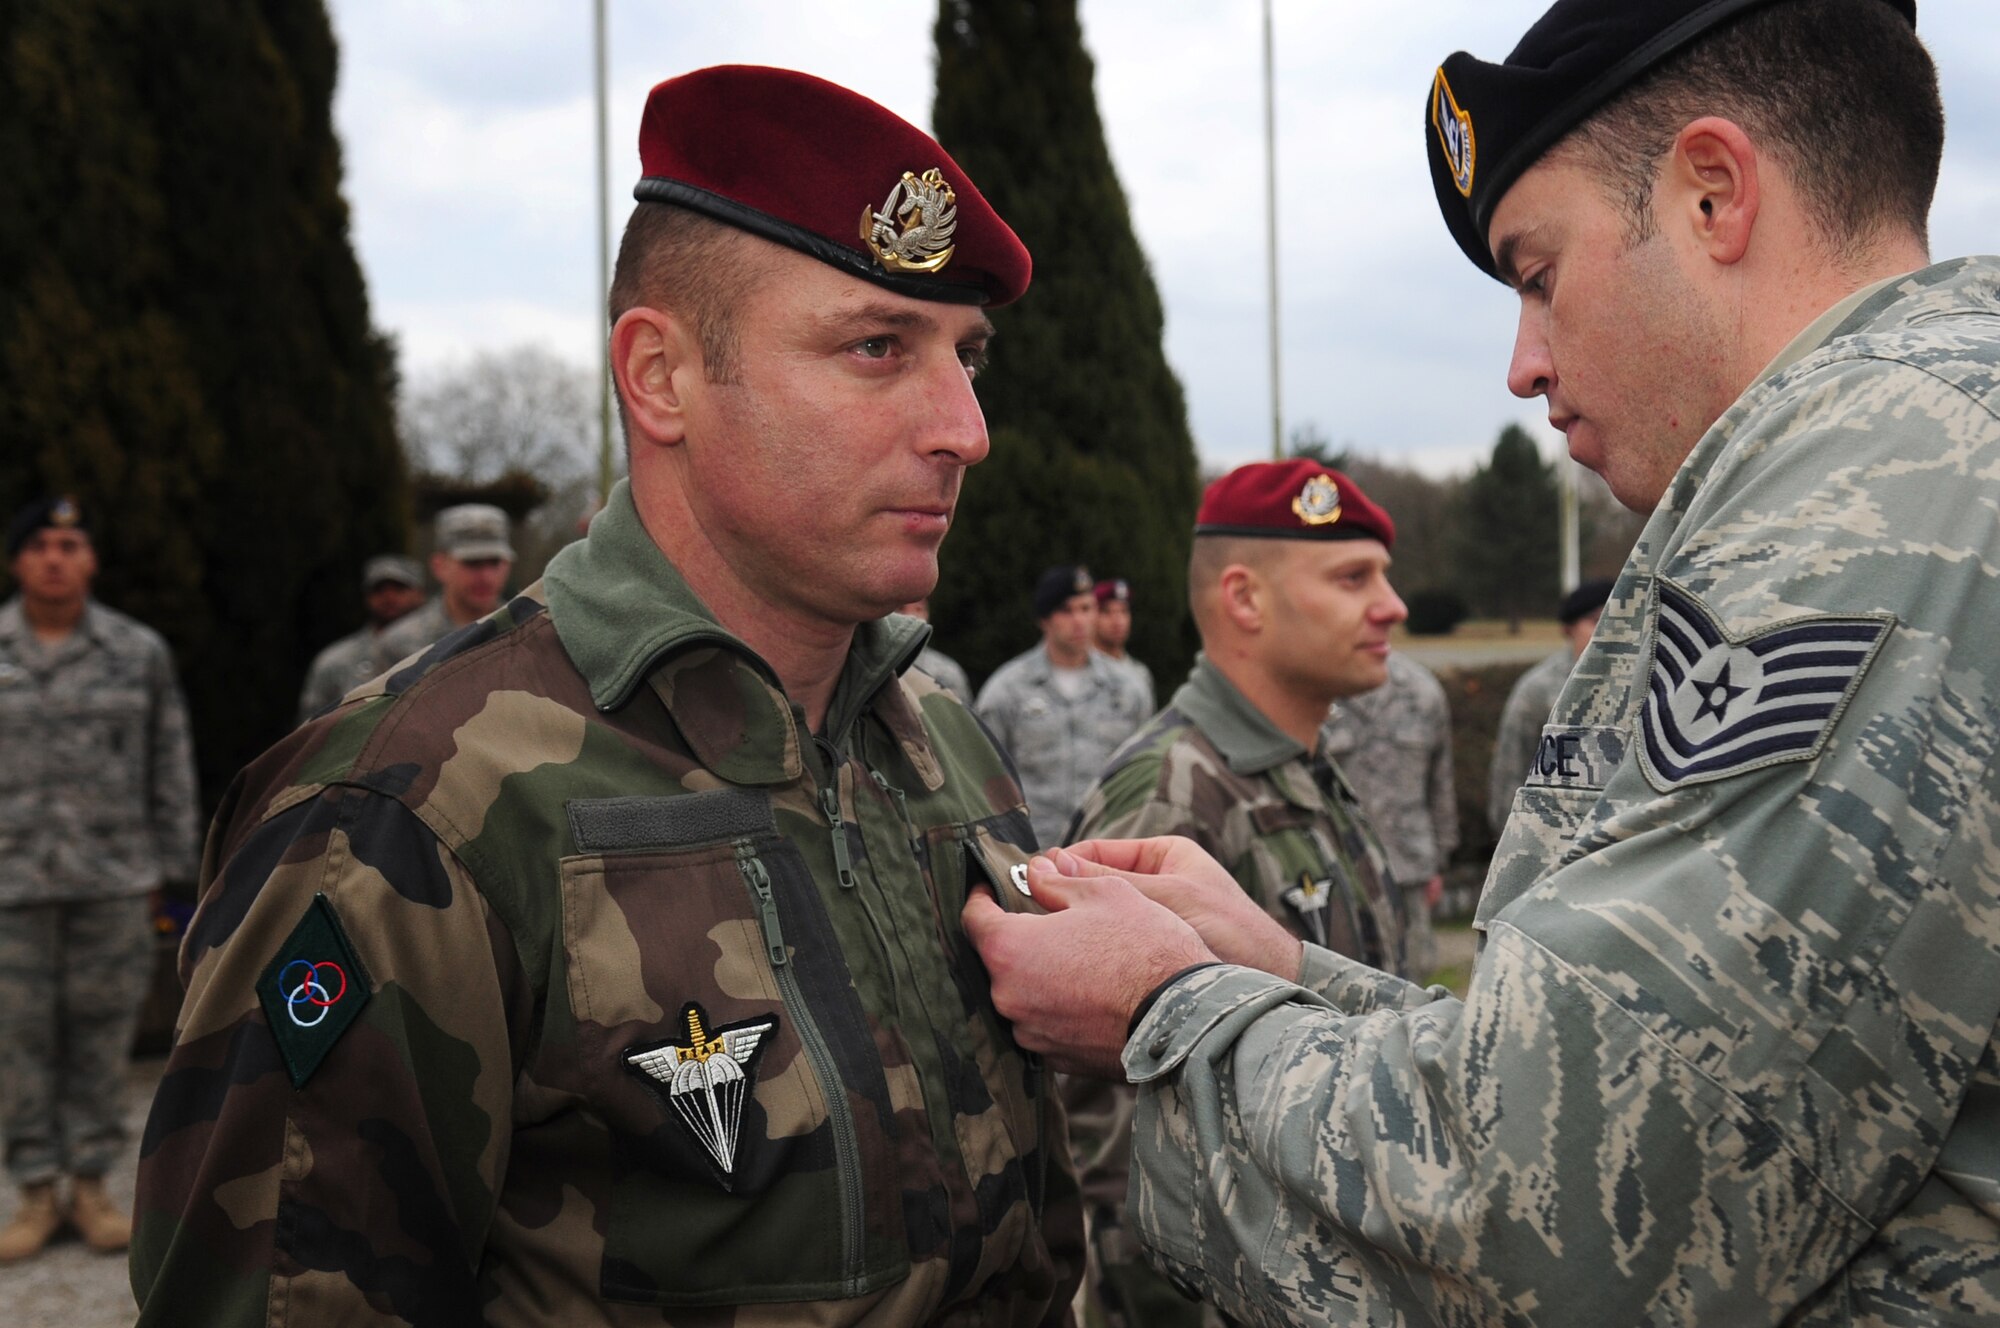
(1316, 895)
(717, 1033)
(1565, 783)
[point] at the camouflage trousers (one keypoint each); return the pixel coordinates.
(72, 978)
(1419, 941)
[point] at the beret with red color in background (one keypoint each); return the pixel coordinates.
(810, 165)
(1297, 499)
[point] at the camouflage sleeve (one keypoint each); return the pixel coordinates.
(327, 1142)
(172, 795)
(1513, 749)
(1443, 790)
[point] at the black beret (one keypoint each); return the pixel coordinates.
(1055, 587)
(1587, 598)
(56, 512)
(1486, 124)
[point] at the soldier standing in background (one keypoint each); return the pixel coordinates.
(470, 557)
(1393, 745)
(97, 808)
(1731, 1048)
(1112, 628)
(1534, 695)
(1060, 708)
(935, 662)
(603, 964)
(1287, 583)
(393, 586)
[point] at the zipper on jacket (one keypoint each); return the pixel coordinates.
(829, 803)
(902, 802)
(846, 1149)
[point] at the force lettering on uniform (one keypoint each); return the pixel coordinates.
(1571, 756)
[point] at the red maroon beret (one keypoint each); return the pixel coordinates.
(1117, 588)
(1296, 499)
(808, 164)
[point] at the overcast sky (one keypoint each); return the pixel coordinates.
(468, 128)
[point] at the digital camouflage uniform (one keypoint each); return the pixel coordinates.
(1058, 745)
(946, 670)
(1521, 720)
(97, 808)
(1213, 768)
(336, 670)
(1141, 675)
(1728, 1055)
(1393, 746)
(419, 629)
(573, 838)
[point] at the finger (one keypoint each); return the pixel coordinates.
(1125, 855)
(982, 918)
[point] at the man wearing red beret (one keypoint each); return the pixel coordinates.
(1289, 589)
(602, 963)
(1112, 629)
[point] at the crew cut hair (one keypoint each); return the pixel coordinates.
(676, 259)
(1840, 91)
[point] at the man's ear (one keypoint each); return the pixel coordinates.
(656, 362)
(1710, 190)
(1240, 596)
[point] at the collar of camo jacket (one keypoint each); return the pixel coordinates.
(625, 617)
(1250, 743)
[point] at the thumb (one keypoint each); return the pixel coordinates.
(1059, 878)
(982, 918)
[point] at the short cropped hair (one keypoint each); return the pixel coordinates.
(676, 259)
(1840, 91)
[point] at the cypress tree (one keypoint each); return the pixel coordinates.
(184, 336)
(1508, 513)
(1092, 458)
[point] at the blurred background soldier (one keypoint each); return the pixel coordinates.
(1113, 628)
(97, 807)
(470, 559)
(393, 586)
(1289, 591)
(935, 662)
(1059, 708)
(1394, 747)
(1534, 695)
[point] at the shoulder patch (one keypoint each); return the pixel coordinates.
(313, 990)
(1717, 706)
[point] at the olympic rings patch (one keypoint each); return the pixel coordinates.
(302, 985)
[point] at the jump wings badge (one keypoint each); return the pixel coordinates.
(1308, 899)
(912, 231)
(1717, 706)
(1318, 504)
(707, 1077)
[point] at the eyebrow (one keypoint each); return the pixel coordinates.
(896, 316)
(1510, 244)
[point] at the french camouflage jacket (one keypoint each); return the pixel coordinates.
(1729, 1050)
(1288, 828)
(97, 781)
(563, 977)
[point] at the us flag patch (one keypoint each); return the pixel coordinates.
(1717, 706)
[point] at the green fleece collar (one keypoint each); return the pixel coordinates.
(1250, 743)
(625, 615)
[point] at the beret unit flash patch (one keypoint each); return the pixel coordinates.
(1717, 706)
(1454, 131)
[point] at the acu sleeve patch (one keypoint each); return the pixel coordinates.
(313, 990)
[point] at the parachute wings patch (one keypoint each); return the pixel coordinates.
(706, 1078)
(1717, 706)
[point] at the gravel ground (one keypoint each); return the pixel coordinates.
(68, 1285)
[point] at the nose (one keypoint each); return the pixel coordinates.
(958, 429)
(1390, 609)
(1531, 372)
